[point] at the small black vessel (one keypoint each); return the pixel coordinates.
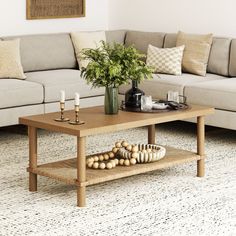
(133, 96)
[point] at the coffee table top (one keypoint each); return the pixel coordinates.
(96, 122)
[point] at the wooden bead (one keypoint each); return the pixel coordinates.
(115, 150)
(121, 162)
(95, 165)
(90, 160)
(106, 157)
(132, 161)
(113, 163)
(109, 165)
(101, 157)
(95, 158)
(135, 149)
(111, 154)
(118, 144)
(124, 144)
(90, 164)
(102, 166)
(129, 148)
(116, 161)
(134, 155)
(127, 162)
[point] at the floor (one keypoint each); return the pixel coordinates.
(166, 202)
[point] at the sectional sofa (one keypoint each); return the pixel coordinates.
(217, 89)
(50, 65)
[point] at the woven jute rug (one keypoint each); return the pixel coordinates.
(166, 202)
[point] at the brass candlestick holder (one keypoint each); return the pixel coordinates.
(76, 121)
(62, 118)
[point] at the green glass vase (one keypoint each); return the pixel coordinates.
(111, 101)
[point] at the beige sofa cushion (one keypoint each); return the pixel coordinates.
(14, 93)
(85, 40)
(219, 55)
(117, 36)
(10, 60)
(65, 79)
(141, 40)
(170, 40)
(196, 53)
(46, 52)
(165, 60)
(232, 64)
(159, 86)
(220, 94)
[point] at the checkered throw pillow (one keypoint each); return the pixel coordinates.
(166, 60)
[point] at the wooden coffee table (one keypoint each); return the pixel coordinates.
(74, 171)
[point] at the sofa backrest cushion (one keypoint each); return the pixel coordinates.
(45, 52)
(170, 40)
(141, 40)
(232, 64)
(219, 56)
(117, 36)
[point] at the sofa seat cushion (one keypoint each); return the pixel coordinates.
(14, 93)
(66, 79)
(220, 94)
(159, 86)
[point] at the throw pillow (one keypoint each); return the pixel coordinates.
(82, 40)
(10, 61)
(196, 53)
(165, 60)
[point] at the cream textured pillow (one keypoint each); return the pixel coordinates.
(165, 60)
(82, 40)
(196, 53)
(10, 61)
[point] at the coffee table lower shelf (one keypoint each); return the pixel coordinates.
(66, 170)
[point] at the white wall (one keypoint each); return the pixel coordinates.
(13, 19)
(196, 16)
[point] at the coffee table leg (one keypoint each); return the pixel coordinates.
(81, 171)
(151, 134)
(201, 146)
(32, 132)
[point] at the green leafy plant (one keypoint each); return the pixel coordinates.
(112, 65)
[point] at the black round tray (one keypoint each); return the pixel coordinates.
(131, 109)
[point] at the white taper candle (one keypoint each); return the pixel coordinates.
(77, 99)
(63, 96)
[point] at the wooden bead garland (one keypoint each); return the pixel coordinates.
(114, 158)
(111, 159)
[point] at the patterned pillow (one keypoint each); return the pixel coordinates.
(165, 60)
